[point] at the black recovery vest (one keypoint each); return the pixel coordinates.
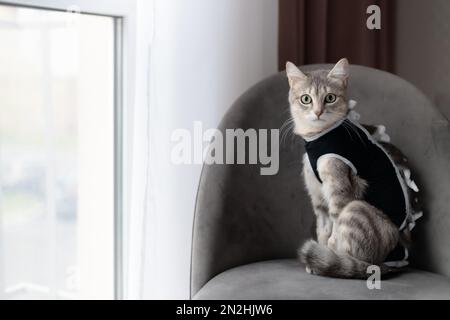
(351, 143)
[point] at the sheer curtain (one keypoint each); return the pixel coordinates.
(199, 56)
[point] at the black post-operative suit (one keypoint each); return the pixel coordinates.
(352, 144)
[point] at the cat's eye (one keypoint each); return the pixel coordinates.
(305, 99)
(330, 98)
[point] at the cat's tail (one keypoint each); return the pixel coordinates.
(326, 262)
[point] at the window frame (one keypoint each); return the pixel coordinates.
(132, 26)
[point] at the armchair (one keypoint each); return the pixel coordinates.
(247, 227)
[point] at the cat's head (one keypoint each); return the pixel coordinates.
(318, 98)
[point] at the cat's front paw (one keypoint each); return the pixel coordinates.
(308, 270)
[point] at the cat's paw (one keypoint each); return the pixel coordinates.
(308, 270)
(331, 243)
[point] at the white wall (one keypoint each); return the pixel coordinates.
(204, 55)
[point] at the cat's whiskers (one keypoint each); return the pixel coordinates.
(347, 129)
(286, 129)
(346, 125)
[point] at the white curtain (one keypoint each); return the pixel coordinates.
(194, 58)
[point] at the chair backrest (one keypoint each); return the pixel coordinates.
(242, 216)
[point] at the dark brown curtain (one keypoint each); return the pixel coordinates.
(323, 31)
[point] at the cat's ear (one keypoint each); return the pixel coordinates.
(340, 71)
(293, 73)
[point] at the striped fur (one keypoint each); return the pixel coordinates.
(351, 234)
(326, 262)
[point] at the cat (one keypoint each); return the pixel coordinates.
(358, 197)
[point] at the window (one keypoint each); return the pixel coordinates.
(59, 154)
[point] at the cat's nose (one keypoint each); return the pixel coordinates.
(318, 113)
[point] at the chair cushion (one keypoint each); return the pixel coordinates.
(287, 279)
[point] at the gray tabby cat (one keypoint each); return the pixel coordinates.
(351, 233)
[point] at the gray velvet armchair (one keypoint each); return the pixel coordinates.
(247, 227)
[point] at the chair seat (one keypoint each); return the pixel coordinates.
(287, 279)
